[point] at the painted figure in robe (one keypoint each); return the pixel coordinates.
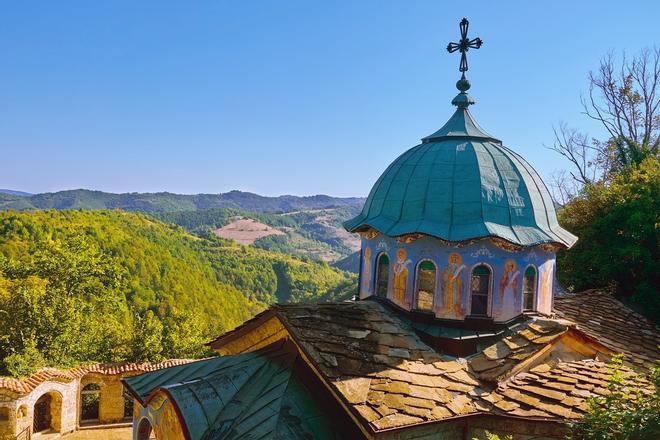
(546, 287)
(452, 283)
(509, 299)
(401, 275)
(366, 271)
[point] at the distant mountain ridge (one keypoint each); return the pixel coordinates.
(169, 202)
(13, 192)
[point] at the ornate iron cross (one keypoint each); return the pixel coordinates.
(464, 45)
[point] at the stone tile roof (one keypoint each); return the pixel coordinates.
(613, 324)
(556, 392)
(499, 360)
(26, 385)
(374, 360)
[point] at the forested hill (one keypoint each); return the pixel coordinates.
(168, 202)
(107, 286)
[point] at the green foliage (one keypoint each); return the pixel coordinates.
(619, 237)
(626, 413)
(107, 286)
(25, 362)
(149, 344)
(490, 436)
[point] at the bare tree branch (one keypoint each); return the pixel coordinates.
(624, 98)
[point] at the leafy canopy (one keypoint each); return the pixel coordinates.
(107, 286)
(619, 245)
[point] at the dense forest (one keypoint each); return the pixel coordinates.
(79, 286)
(309, 223)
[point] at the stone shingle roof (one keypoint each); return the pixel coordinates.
(499, 360)
(387, 377)
(377, 364)
(26, 385)
(613, 324)
(557, 392)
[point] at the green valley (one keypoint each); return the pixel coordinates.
(302, 226)
(109, 285)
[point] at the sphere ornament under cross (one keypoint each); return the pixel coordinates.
(464, 45)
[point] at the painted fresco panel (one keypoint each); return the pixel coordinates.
(546, 285)
(454, 267)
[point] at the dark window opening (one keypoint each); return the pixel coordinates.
(128, 406)
(382, 275)
(89, 401)
(480, 290)
(426, 274)
(42, 414)
(529, 288)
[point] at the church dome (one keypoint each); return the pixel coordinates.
(459, 184)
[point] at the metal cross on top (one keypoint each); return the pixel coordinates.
(464, 45)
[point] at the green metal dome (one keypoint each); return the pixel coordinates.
(461, 183)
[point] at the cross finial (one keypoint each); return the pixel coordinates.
(464, 45)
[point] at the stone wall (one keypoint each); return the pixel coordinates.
(17, 412)
(20, 409)
(111, 396)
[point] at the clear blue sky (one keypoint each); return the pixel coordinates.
(282, 97)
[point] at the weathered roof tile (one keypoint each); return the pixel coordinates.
(622, 330)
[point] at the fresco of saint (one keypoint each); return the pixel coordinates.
(401, 275)
(546, 287)
(509, 300)
(366, 272)
(452, 283)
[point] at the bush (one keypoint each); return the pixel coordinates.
(627, 412)
(619, 237)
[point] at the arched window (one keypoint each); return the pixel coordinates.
(144, 430)
(480, 290)
(382, 275)
(425, 285)
(89, 402)
(529, 288)
(42, 414)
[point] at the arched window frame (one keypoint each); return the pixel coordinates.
(90, 389)
(435, 285)
(145, 430)
(536, 288)
(377, 273)
(489, 302)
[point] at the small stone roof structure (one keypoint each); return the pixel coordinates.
(561, 391)
(25, 385)
(498, 361)
(602, 317)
